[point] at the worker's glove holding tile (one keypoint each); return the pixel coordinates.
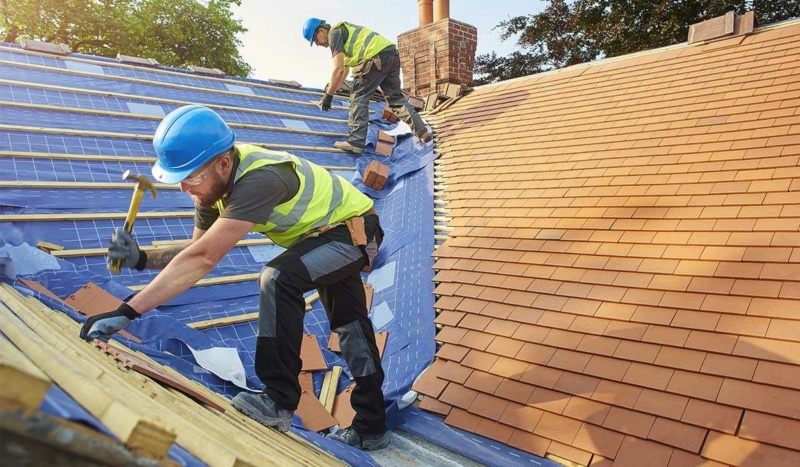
(325, 103)
(104, 325)
(123, 247)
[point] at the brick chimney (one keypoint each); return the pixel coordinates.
(437, 53)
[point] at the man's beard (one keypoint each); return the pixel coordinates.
(218, 189)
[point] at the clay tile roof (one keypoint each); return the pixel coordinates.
(622, 278)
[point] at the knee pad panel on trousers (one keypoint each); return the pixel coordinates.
(267, 307)
(355, 350)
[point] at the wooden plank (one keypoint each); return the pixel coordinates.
(92, 216)
(112, 113)
(138, 433)
(238, 319)
(108, 134)
(205, 433)
(22, 384)
(328, 394)
(170, 101)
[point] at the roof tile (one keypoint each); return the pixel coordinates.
(770, 429)
(558, 428)
(521, 416)
(619, 394)
(630, 422)
(679, 435)
(737, 451)
(713, 416)
(598, 440)
(529, 443)
(636, 452)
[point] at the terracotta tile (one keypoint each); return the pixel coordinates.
(598, 345)
(448, 303)
(598, 440)
(528, 442)
(458, 396)
(431, 404)
(695, 320)
(695, 385)
(563, 339)
(623, 395)
(684, 459)
(710, 341)
(670, 282)
(576, 384)
(636, 452)
(471, 305)
(665, 335)
(653, 315)
(637, 351)
(725, 365)
(569, 453)
(493, 430)
(768, 349)
(600, 461)
(777, 374)
(462, 419)
(477, 322)
(628, 421)
(450, 335)
(558, 428)
(737, 451)
(713, 416)
(529, 333)
(488, 406)
(726, 304)
(504, 346)
(509, 368)
(452, 371)
(607, 368)
(343, 412)
(569, 360)
(661, 404)
(774, 308)
(643, 297)
(648, 376)
(498, 310)
(679, 435)
(429, 382)
(550, 401)
(625, 330)
(784, 329)
(452, 352)
(449, 318)
(777, 401)
(617, 311)
(476, 340)
(91, 300)
(588, 325)
(631, 279)
(482, 382)
(501, 327)
(541, 376)
(553, 319)
(521, 416)
(770, 429)
(535, 353)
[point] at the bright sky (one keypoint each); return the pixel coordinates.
(275, 48)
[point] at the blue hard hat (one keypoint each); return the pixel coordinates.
(186, 139)
(310, 29)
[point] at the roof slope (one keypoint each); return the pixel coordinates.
(622, 280)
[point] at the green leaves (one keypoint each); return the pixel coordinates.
(174, 32)
(569, 32)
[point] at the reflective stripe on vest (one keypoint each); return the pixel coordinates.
(323, 198)
(362, 43)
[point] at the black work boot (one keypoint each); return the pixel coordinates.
(261, 408)
(365, 442)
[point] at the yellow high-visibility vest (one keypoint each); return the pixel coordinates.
(323, 198)
(361, 44)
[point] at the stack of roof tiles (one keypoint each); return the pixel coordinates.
(622, 281)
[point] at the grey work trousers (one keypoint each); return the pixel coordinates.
(388, 79)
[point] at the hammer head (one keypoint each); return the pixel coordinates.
(142, 182)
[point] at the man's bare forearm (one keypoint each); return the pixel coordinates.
(158, 259)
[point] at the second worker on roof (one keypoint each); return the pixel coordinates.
(375, 63)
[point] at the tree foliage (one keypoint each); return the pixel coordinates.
(569, 32)
(174, 32)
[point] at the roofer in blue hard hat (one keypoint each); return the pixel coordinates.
(328, 227)
(375, 63)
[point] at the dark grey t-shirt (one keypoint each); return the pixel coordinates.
(253, 197)
(336, 39)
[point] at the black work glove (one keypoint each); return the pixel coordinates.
(124, 247)
(104, 325)
(325, 103)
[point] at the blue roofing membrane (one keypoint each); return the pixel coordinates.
(96, 107)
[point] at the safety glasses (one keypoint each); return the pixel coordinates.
(200, 177)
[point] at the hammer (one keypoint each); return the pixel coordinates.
(142, 184)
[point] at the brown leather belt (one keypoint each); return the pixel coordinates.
(356, 228)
